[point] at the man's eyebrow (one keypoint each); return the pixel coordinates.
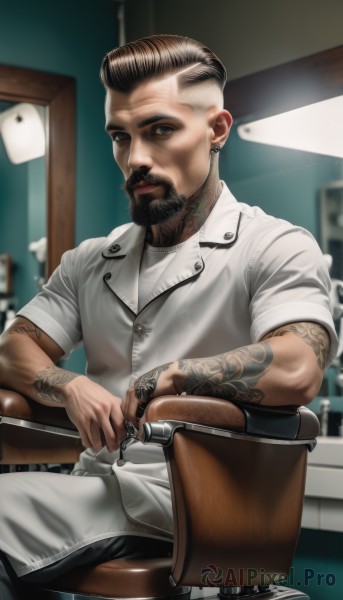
(155, 119)
(143, 123)
(113, 127)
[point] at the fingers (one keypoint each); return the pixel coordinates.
(102, 426)
(118, 423)
(97, 439)
(108, 432)
(132, 408)
(92, 436)
(101, 435)
(85, 439)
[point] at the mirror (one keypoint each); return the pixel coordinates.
(23, 203)
(57, 94)
(300, 186)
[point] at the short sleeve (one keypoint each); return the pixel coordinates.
(289, 282)
(55, 309)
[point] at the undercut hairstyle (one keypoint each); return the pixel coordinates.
(156, 56)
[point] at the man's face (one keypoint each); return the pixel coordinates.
(161, 142)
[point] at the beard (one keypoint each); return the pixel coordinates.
(148, 210)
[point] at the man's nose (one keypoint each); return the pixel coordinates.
(139, 156)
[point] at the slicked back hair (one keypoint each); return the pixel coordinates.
(156, 56)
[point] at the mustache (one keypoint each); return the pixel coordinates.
(144, 175)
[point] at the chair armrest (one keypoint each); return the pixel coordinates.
(31, 433)
(279, 422)
(17, 406)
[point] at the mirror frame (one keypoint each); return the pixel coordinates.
(57, 93)
(284, 87)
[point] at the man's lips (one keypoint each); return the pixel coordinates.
(145, 188)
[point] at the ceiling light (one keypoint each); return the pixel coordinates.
(314, 128)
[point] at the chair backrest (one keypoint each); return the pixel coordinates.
(237, 479)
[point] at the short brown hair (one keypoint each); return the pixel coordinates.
(151, 57)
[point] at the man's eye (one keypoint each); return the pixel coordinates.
(162, 130)
(119, 136)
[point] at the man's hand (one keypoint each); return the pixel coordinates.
(157, 382)
(95, 411)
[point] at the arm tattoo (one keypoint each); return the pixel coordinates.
(232, 376)
(146, 384)
(312, 334)
(47, 381)
(26, 328)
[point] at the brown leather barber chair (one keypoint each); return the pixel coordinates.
(237, 477)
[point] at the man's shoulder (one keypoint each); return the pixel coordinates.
(91, 251)
(99, 244)
(256, 229)
(251, 214)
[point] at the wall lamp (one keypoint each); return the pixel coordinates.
(313, 128)
(23, 133)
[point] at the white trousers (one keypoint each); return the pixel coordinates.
(45, 517)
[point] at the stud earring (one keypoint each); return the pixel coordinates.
(216, 148)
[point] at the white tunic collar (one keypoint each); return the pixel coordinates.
(221, 227)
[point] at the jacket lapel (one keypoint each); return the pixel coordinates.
(124, 252)
(123, 258)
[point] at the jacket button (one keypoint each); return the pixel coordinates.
(139, 329)
(107, 276)
(228, 235)
(113, 249)
(197, 266)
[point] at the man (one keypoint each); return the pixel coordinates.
(201, 294)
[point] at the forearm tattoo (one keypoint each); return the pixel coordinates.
(146, 384)
(48, 381)
(232, 376)
(312, 334)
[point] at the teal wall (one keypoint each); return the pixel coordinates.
(69, 37)
(283, 182)
(317, 568)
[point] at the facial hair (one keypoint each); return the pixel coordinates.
(148, 210)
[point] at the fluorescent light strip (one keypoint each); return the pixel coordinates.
(314, 128)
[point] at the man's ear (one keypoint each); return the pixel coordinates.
(221, 125)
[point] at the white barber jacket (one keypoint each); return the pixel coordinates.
(243, 274)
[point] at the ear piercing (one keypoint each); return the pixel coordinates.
(216, 148)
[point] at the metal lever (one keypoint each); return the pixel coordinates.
(126, 441)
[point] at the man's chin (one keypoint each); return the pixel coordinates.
(150, 210)
(149, 199)
(147, 221)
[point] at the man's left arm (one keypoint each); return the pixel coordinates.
(285, 367)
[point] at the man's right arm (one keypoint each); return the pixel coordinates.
(25, 351)
(27, 365)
